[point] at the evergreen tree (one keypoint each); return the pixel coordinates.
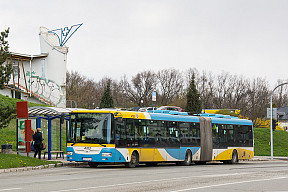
(5, 69)
(106, 100)
(193, 98)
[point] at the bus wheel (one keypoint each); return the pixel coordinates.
(134, 160)
(188, 159)
(92, 164)
(234, 159)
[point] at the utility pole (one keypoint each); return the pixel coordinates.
(271, 114)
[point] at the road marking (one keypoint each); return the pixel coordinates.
(10, 189)
(141, 182)
(240, 182)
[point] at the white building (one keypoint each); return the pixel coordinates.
(40, 78)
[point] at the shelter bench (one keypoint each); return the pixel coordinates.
(57, 153)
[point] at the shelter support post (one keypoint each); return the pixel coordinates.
(49, 138)
(38, 122)
(60, 134)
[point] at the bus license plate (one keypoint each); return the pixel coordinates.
(87, 159)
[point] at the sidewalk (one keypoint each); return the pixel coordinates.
(268, 158)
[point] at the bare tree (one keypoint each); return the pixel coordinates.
(170, 85)
(81, 90)
(257, 100)
(141, 87)
(280, 96)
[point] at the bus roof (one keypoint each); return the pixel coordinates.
(166, 117)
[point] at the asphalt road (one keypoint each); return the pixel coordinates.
(245, 176)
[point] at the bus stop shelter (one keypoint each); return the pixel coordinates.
(49, 114)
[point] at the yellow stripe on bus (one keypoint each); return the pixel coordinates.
(242, 154)
(123, 114)
(90, 145)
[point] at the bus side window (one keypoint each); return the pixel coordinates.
(120, 136)
(172, 134)
(160, 134)
(185, 139)
(195, 134)
(140, 136)
(129, 132)
(244, 135)
(151, 131)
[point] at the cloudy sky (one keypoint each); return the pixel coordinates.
(244, 37)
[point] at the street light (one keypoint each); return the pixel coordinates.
(271, 113)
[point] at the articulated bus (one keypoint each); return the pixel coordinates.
(108, 136)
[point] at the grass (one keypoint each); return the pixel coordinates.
(262, 142)
(12, 101)
(13, 160)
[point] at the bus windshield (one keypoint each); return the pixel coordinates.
(90, 128)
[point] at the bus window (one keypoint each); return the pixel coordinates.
(150, 133)
(91, 128)
(120, 137)
(244, 135)
(230, 135)
(160, 134)
(129, 133)
(222, 135)
(195, 134)
(140, 125)
(172, 134)
(185, 139)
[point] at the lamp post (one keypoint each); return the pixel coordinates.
(271, 113)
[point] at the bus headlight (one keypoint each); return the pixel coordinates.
(69, 153)
(106, 154)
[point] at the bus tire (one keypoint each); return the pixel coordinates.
(234, 158)
(188, 159)
(93, 164)
(133, 161)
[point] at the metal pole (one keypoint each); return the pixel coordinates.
(271, 129)
(49, 138)
(30, 78)
(60, 136)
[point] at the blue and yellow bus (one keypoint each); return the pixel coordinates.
(110, 136)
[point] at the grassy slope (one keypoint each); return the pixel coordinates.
(262, 141)
(8, 135)
(11, 101)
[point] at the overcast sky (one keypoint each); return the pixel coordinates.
(244, 37)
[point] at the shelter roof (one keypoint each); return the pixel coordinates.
(49, 111)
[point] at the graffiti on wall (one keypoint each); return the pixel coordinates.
(45, 88)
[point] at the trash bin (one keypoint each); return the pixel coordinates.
(6, 148)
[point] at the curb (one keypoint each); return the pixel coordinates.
(21, 169)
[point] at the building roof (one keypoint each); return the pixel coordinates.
(26, 56)
(282, 113)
